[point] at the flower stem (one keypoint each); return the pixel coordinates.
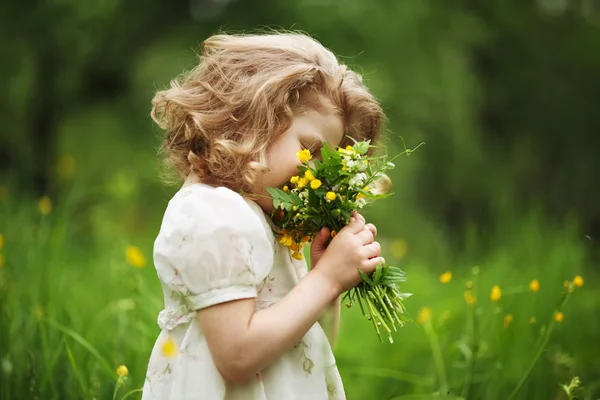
(437, 356)
(540, 349)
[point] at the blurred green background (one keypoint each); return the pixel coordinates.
(503, 92)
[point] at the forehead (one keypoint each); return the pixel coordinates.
(324, 120)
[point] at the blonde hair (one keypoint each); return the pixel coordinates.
(222, 115)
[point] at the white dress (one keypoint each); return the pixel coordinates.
(216, 246)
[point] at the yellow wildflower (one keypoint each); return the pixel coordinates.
(424, 315)
(286, 240)
(344, 168)
(507, 320)
(446, 277)
(350, 149)
(330, 196)
(294, 179)
(304, 155)
(45, 205)
(169, 348)
(294, 246)
(532, 320)
(309, 175)
(286, 188)
(294, 208)
(333, 233)
(302, 182)
(305, 239)
(558, 316)
(496, 293)
(135, 257)
(469, 298)
(534, 285)
(122, 370)
(577, 281)
(297, 255)
(315, 184)
(399, 248)
(360, 196)
(343, 198)
(1, 241)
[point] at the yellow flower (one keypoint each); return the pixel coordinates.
(496, 293)
(558, 316)
(285, 188)
(304, 155)
(305, 239)
(294, 208)
(577, 281)
(330, 196)
(1, 241)
(294, 179)
(45, 205)
(169, 348)
(315, 184)
(309, 175)
(344, 168)
(360, 196)
(333, 233)
(350, 149)
(399, 248)
(122, 370)
(302, 182)
(534, 285)
(135, 257)
(507, 320)
(424, 315)
(469, 298)
(532, 320)
(446, 277)
(297, 255)
(286, 240)
(295, 246)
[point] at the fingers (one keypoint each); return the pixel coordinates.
(372, 228)
(356, 225)
(359, 216)
(371, 264)
(365, 236)
(372, 250)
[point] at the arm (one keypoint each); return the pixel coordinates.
(253, 340)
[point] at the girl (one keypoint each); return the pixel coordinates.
(241, 317)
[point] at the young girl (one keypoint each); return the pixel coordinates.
(241, 317)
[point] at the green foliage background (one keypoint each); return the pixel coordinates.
(503, 92)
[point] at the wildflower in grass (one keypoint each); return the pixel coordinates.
(1, 261)
(122, 370)
(577, 281)
(66, 166)
(496, 293)
(469, 298)
(315, 184)
(534, 285)
(286, 188)
(169, 348)
(330, 196)
(558, 316)
(45, 205)
(507, 320)
(304, 155)
(135, 257)
(399, 248)
(424, 315)
(532, 320)
(446, 277)
(294, 179)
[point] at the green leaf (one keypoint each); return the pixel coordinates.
(366, 278)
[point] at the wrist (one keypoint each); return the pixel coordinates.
(331, 286)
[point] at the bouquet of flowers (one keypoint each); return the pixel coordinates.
(325, 193)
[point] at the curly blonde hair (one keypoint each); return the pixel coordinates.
(221, 116)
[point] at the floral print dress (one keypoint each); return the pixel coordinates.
(215, 246)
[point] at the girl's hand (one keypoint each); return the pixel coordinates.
(319, 243)
(352, 248)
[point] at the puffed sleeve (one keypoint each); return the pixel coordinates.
(212, 247)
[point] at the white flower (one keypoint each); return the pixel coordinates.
(362, 166)
(360, 203)
(350, 164)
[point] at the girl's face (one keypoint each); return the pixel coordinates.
(308, 130)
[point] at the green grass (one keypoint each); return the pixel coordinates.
(72, 308)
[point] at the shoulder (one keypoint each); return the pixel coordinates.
(204, 210)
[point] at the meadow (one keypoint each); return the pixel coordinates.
(79, 299)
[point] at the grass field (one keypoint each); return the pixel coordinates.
(79, 298)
